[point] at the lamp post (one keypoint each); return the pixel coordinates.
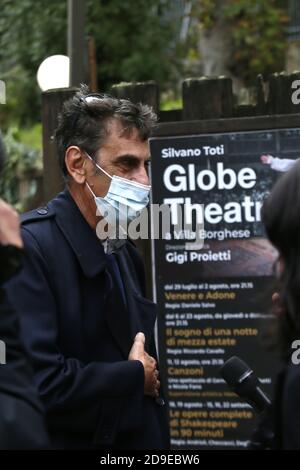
(76, 41)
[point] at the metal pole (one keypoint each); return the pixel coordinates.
(76, 41)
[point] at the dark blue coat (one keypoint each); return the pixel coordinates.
(79, 338)
(22, 423)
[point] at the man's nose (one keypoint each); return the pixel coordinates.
(141, 176)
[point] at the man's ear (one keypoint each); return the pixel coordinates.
(75, 163)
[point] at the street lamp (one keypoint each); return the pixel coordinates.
(54, 73)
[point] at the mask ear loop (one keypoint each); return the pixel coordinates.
(90, 189)
(98, 166)
(95, 197)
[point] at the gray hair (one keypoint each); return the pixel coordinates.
(84, 118)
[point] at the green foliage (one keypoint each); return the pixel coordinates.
(30, 31)
(21, 160)
(208, 13)
(31, 137)
(133, 41)
(170, 101)
(256, 31)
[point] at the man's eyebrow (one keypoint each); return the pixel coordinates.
(129, 158)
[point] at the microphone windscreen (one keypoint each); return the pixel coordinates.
(233, 370)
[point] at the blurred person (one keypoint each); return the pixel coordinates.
(278, 164)
(86, 323)
(21, 413)
(281, 217)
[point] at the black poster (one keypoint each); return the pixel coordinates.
(211, 298)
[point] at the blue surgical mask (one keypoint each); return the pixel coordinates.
(124, 200)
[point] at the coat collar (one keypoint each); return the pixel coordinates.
(81, 237)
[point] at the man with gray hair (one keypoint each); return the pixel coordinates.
(86, 322)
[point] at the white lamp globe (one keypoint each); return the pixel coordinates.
(54, 72)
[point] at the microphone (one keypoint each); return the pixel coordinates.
(241, 379)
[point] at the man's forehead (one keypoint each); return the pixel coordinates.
(119, 146)
(117, 130)
(120, 140)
